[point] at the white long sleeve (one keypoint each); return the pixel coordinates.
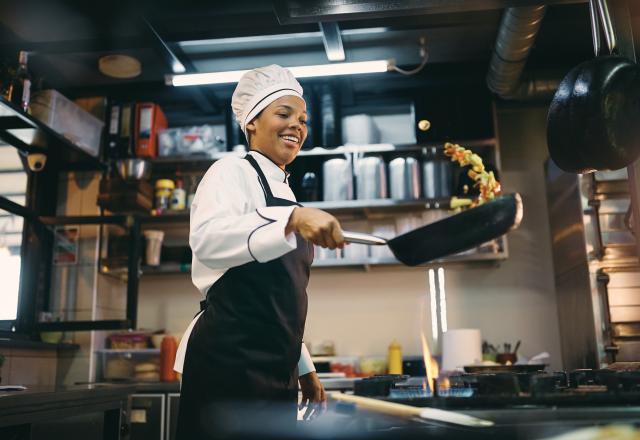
(223, 234)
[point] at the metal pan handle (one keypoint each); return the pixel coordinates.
(359, 237)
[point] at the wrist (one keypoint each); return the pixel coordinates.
(292, 224)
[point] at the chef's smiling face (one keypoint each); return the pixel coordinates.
(280, 129)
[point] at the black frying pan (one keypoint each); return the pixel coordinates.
(453, 234)
(593, 119)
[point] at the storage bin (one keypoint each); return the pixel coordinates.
(63, 116)
(129, 365)
(206, 140)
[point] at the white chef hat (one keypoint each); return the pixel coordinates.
(260, 87)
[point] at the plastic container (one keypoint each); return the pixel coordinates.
(394, 358)
(65, 117)
(154, 246)
(360, 129)
(164, 191)
(129, 365)
(168, 351)
(206, 140)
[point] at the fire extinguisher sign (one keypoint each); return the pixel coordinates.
(65, 246)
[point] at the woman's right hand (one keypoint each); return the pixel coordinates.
(317, 226)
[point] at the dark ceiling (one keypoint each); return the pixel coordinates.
(66, 38)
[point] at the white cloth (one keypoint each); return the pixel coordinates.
(231, 225)
(260, 87)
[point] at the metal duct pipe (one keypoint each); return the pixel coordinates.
(518, 30)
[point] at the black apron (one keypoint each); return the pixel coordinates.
(243, 351)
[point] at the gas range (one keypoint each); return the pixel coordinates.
(535, 405)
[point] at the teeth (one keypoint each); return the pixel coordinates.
(290, 138)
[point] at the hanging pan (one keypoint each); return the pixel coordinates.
(593, 119)
(453, 234)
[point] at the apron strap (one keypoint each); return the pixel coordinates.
(266, 189)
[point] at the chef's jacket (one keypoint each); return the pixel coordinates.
(231, 225)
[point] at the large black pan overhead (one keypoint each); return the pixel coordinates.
(453, 234)
(593, 119)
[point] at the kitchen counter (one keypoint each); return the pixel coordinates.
(41, 412)
(330, 384)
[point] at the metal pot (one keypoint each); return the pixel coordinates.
(436, 174)
(371, 178)
(337, 180)
(404, 178)
(134, 169)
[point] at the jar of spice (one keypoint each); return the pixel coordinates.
(164, 190)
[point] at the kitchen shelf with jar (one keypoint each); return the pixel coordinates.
(202, 163)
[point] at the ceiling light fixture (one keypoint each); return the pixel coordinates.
(195, 79)
(119, 66)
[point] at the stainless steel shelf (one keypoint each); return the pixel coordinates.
(29, 135)
(194, 163)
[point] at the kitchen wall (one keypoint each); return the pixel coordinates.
(363, 311)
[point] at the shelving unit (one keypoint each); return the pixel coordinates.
(29, 135)
(201, 163)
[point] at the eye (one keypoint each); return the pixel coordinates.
(283, 115)
(303, 121)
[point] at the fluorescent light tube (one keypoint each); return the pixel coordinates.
(232, 76)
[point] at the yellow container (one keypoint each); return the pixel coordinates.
(166, 184)
(395, 358)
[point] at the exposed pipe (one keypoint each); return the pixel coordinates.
(516, 36)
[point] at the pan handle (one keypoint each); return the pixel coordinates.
(595, 28)
(359, 237)
(607, 24)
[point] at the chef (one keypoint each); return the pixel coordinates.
(252, 248)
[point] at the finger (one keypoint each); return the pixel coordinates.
(308, 412)
(302, 403)
(337, 235)
(328, 237)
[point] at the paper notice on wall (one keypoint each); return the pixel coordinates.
(65, 246)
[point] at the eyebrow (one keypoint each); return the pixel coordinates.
(288, 107)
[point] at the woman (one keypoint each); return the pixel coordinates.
(252, 248)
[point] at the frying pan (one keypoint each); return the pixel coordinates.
(592, 122)
(450, 235)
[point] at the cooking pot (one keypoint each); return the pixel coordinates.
(404, 178)
(371, 178)
(593, 119)
(337, 180)
(437, 176)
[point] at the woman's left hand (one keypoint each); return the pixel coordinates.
(313, 396)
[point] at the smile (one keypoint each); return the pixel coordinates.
(291, 139)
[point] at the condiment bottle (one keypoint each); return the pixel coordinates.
(164, 189)
(178, 197)
(395, 358)
(168, 350)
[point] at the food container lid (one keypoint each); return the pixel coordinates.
(165, 184)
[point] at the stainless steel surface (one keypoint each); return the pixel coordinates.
(337, 178)
(404, 178)
(371, 178)
(516, 36)
(580, 322)
(436, 176)
(313, 11)
(607, 24)
(595, 29)
(362, 238)
(133, 169)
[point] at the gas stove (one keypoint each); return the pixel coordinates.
(534, 405)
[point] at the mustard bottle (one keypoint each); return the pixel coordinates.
(395, 358)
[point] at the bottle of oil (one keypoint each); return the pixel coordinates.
(395, 358)
(20, 88)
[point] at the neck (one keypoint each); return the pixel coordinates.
(258, 150)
